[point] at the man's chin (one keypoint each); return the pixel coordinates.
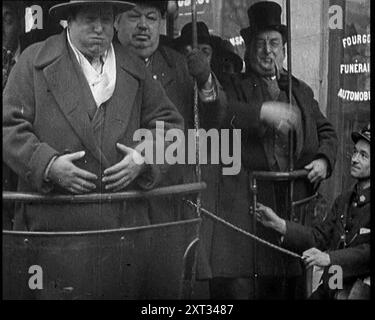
(355, 174)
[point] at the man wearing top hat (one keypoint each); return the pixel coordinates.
(345, 233)
(258, 104)
(71, 106)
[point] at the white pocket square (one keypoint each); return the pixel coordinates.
(364, 231)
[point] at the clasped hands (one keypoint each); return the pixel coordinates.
(66, 174)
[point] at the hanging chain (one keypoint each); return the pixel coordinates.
(198, 172)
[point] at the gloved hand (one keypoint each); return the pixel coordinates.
(199, 66)
(279, 115)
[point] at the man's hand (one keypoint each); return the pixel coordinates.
(318, 171)
(199, 66)
(279, 115)
(126, 171)
(270, 219)
(315, 257)
(65, 174)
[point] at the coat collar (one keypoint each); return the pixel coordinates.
(66, 85)
(361, 196)
(56, 46)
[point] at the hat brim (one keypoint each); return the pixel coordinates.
(248, 33)
(356, 136)
(181, 42)
(61, 11)
(234, 58)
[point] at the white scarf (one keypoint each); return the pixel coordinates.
(102, 79)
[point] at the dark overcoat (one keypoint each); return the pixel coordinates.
(170, 68)
(348, 247)
(46, 103)
(231, 253)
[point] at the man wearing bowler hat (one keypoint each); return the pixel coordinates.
(345, 233)
(71, 106)
(139, 30)
(258, 104)
(219, 53)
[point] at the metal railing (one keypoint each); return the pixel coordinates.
(290, 205)
(63, 254)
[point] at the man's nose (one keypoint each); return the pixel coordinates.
(142, 23)
(98, 26)
(267, 48)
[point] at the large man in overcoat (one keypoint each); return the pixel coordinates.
(258, 105)
(71, 107)
(139, 30)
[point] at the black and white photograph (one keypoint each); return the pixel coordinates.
(186, 155)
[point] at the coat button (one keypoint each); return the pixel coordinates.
(155, 77)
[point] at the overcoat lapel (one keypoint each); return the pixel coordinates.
(120, 107)
(66, 87)
(252, 89)
(162, 68)
(301, 102)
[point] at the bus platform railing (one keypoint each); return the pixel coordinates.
(138, 263)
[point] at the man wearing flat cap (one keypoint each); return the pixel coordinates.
(258, 104)
(345, 234)
(71, 107)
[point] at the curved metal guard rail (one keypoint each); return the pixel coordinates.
(279, 176)
(113, 232)
(107, 197)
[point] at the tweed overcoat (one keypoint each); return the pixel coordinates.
(46, 103)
